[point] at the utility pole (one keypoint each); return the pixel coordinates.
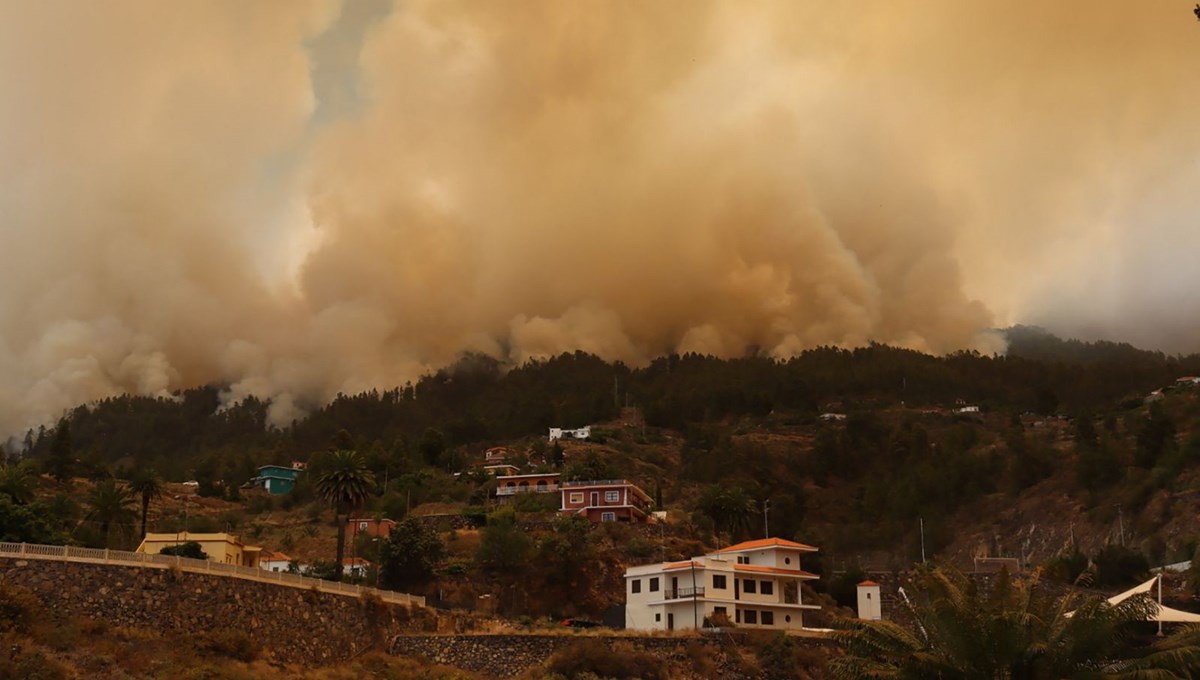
(767, 518)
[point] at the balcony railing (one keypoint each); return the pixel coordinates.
(597, 482)
(681, 593)
(510, 490)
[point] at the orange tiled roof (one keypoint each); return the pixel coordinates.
(765, 543)
(682, 565)
(272, 556)
(869, 583)
(773, 570)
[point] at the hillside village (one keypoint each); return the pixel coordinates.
(630, 523)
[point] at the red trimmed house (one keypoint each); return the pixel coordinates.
(379, 528)
(606, 500)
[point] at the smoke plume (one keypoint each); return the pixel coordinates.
(295, 200)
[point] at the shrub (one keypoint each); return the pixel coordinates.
(1118, 566)
(190, 549)
(18, 608)
(20, 661)
(229, 643)
(1067, 568)
(475, 515)
(621, 662)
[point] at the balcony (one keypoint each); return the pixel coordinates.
(512, 490)
(683, 593)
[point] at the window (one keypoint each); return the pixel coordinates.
(719, 610)
(743, 559)
(737, 615)
(788, 618)
(718, 582)
(654, 585)
(748, 585)
(362, 526)
(767, 588)
(635, 585)
(612, 496)
(768, 618)
(751, 616)
(868, 596)
(576, 497)
(787, 560)
(657, 618)
(608, 517)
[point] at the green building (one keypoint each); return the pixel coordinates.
(277, 479)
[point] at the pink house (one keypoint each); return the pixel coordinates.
(607, 500)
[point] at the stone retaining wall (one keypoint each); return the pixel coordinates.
(505, 656)
(289, 624)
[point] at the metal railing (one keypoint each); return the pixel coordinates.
(63, 553)
(597, 482)
(529, 488)
(680, 593)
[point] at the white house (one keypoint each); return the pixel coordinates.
(581, 433)
(755, 584)
(273, 561)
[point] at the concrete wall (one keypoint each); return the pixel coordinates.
(290, 624)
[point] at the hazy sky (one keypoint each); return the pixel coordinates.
(301, 197)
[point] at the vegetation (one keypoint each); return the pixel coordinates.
(1014, 630)
(148, 486)
(109, 506)
(190, 549)
(345, 483)
(410, 555)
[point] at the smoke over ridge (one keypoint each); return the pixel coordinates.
(523, 178)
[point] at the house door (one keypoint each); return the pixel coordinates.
(737, 588)
(670, 622)
(674, 587)
(595, 498)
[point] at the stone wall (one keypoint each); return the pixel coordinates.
(505, 656)
(289, 624)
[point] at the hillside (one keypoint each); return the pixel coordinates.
(1060, 450)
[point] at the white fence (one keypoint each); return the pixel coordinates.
(125, 558)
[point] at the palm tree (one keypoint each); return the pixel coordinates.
(148, 486)
(345, 484)
(110, 504)
(18, 482)
(1012, 632)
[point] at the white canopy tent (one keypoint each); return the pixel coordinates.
(1163, 614)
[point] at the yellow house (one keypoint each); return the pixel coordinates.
(225, 548)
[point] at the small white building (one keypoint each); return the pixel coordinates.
(557, 433)
(833, 417)
(967, 409)
(869, 606)
(755, 585)
(273, 561)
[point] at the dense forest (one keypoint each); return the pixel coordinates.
(1067, 432)
(478, 400)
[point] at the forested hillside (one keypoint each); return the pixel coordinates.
(1063, 440)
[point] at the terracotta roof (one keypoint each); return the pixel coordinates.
(355, 561)
(869, 583)
(682, 565)
(773, 570)
(271, 556)
(766, 543)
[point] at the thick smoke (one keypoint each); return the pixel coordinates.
(522, 178)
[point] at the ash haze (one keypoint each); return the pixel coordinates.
(298, 198)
